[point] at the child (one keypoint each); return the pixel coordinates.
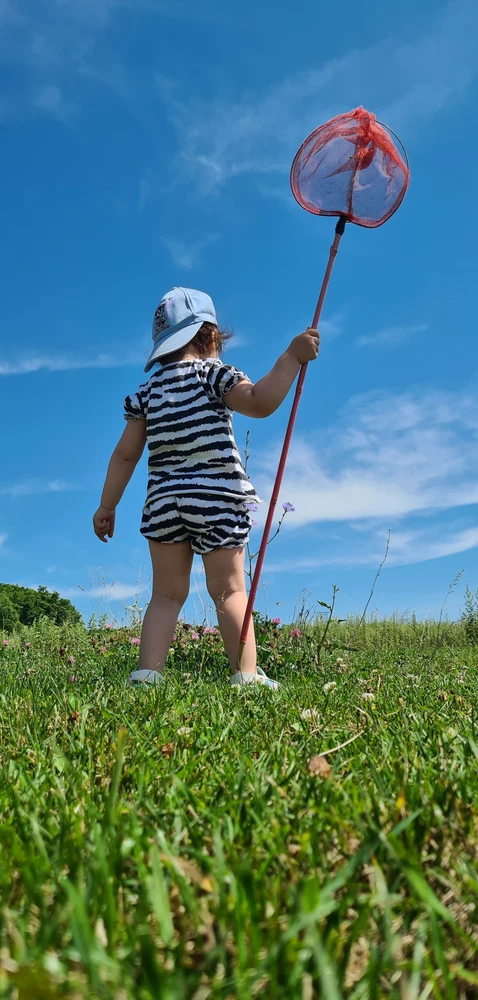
(198, 495)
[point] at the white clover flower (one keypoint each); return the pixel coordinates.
(329, 686)
(184, 730)
(309, 714)
(368, 696)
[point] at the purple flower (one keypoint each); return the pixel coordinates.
(72, 679)
(276, 621)
(253, 523)
(210, 630)
(288, 507)
(296, 633)
(194, 635)
(134, 641)
(252, 506)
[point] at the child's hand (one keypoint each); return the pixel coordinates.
(305, 347)
(104, 523)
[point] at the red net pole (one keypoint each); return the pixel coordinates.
(339, 229)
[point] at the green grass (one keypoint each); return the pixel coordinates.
(173, 843)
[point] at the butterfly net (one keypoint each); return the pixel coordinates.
(350, 166)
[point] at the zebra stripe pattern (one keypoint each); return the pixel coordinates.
(207, 522)
(191, 446)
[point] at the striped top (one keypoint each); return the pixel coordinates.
(189, 430)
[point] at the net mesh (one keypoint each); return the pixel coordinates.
(350, 166)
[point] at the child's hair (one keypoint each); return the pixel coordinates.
(208, 336)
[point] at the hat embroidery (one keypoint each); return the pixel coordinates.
(160, 321)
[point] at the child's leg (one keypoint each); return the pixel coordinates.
(227, 586)
(171, 571)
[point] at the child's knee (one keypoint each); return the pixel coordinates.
(220, 588)
(174, 595)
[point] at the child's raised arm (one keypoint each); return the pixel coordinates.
(122, 464)
(263, 398)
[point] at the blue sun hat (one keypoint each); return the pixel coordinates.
(179, 316)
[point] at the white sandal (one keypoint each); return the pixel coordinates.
(145, 677)
(259, 678)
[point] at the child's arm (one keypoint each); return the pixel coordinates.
(263, 398)
(122, 464)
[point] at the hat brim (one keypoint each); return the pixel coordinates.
(172, 342)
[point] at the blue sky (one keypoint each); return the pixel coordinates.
(148, 144)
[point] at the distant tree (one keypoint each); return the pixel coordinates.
(9, 617)
(23, 605)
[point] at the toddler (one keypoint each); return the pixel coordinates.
(198, 496)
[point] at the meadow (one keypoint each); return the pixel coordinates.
(197, 840)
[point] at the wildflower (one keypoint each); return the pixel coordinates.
(288, 507)
(276, 621)
(72, 679)
(339, 661)
(134, 641)
(103, 649)
(252, 506)
(296, 633)
(253, 523)
(195, 635)
(309, 714)
(368, 696)
(109, 625)
(71, 659)
(27, 644)
(5, 642)
(184, 730)
(210, 630)
(329, 686)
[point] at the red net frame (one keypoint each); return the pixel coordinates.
(351, 167)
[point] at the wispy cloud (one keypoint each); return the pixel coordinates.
(108, 591)
(187, 255)
(391, 336)
(3, 538)
(387, 457)
(64, 363)
(258, 134)
(35, 486)
(49, 99)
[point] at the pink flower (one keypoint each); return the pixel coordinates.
(5, 642)
(296, 633)
(71, 659)
(72, 679)
(210, 630)
(133, 641)
(109, 625)
(276, 621)
(194, 635)
(103, 649)
(27, 644)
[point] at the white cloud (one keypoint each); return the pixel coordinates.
(34, 486)
(391, 336)
(187, 255)
(389, 456)
(109, 591)
(258, 134)
(50, 100)
(3, 538)
(406, 548)
(64, 363)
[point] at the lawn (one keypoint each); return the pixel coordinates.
(198, 840)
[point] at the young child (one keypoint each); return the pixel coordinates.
(198, 495)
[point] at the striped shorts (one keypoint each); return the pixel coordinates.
(208, 522)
